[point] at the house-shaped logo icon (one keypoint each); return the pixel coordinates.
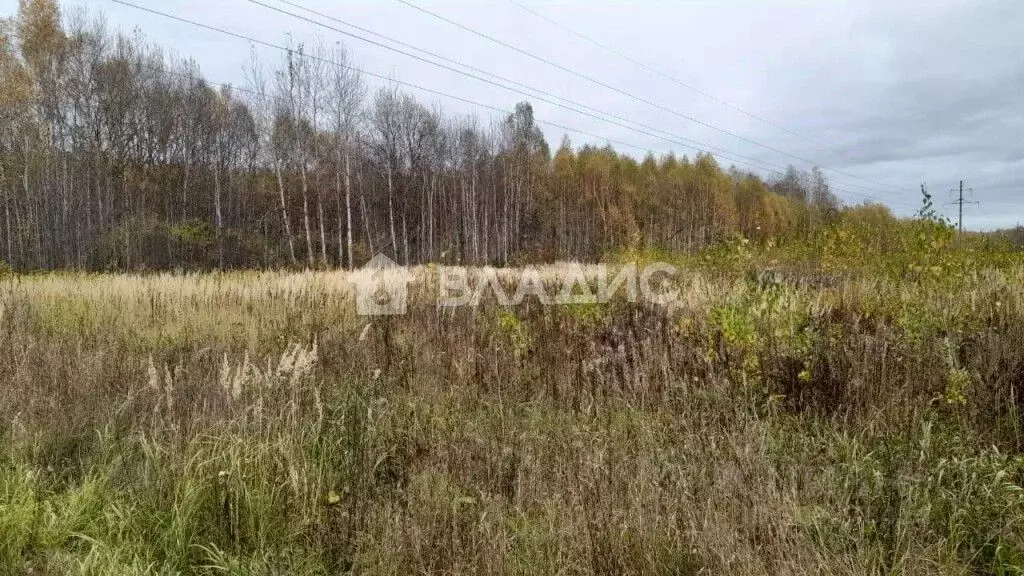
(383, 289)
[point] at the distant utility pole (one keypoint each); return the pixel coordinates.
(960, 204)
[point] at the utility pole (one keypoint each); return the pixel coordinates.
(960, 205)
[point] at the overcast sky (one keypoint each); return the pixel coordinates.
(882, 94)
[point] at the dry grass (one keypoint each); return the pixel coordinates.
(252, 423)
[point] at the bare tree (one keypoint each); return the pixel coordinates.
(346, 99)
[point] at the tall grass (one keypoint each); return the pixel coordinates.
(252, 423)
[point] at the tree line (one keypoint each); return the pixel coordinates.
(114, 155)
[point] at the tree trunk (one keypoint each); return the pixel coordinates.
(320, 218)
(184, 192)
(305, 214)
(348, 208)
(10, 237)
(337, 207)
(323, 227)
(219, 217)
(284, 212)
(366, 214)
(391, 215)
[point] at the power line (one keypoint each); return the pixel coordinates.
(629, 94)
(656, 71)
(685, 142)
(368, 73)
(371, 74)
(573, 105)
(387, 79)
(205, 79)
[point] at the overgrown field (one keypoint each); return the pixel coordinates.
(814, 423)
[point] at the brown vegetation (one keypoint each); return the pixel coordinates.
(253, 424)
